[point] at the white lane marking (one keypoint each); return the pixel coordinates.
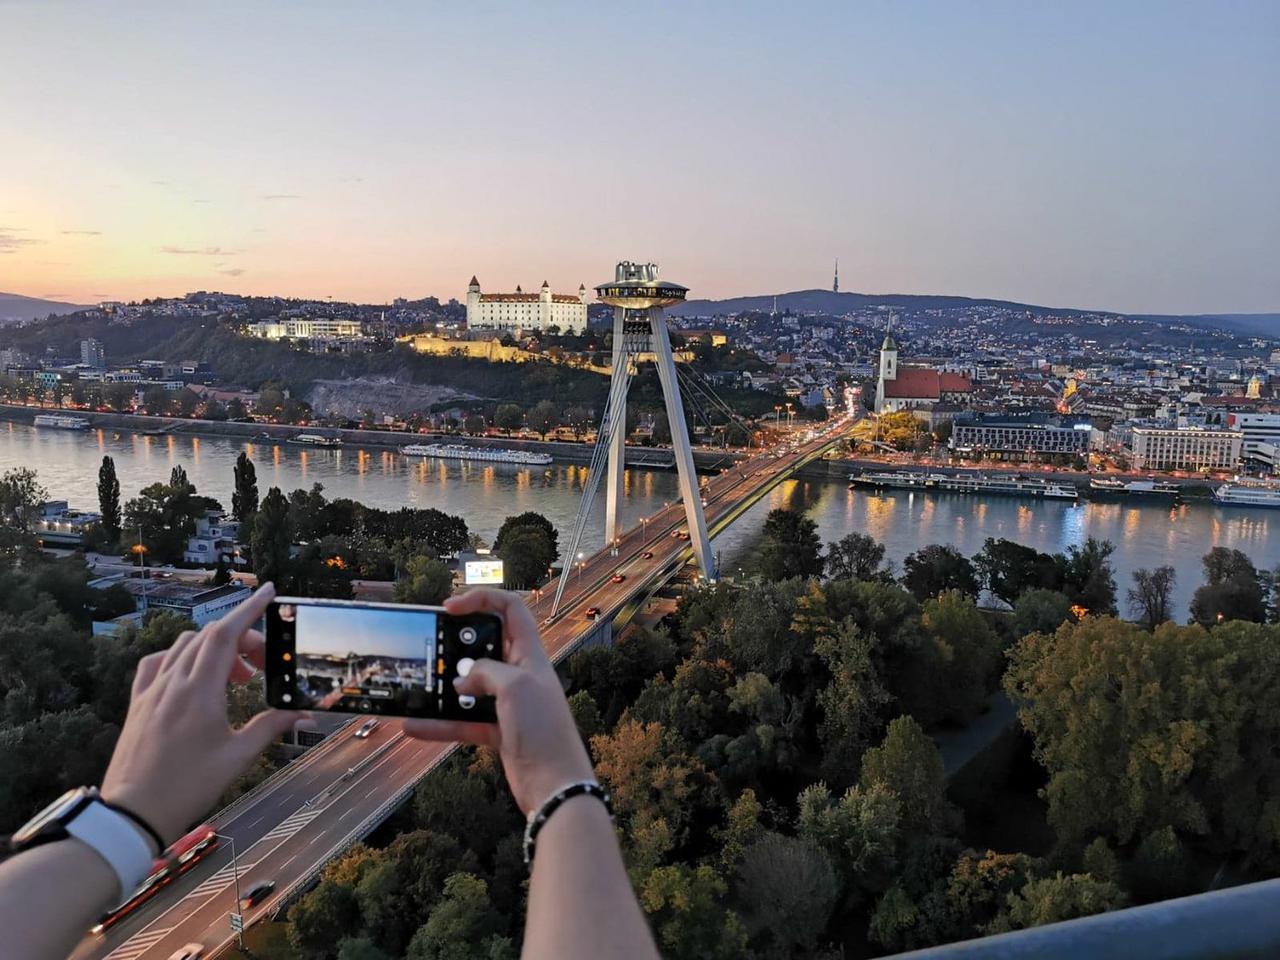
(258, 821)
(138, 944)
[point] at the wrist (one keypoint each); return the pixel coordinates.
(150, 822)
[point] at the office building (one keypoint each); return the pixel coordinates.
(1184, 448)
(526, 311)
(1020, 436)
(1260, 435)
(93, 355)
(310, 328)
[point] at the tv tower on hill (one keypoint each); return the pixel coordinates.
(835, 283)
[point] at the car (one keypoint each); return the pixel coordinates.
(192, 951)
(647, 555)
(367, 728)
(592, 612)
(617, 578)
(257, 893)
(682, 535)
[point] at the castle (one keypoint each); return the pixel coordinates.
(526, 311)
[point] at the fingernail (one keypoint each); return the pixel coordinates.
(457, 682)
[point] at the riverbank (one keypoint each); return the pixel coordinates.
(651, 458)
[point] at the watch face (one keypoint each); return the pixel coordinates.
(52, 815)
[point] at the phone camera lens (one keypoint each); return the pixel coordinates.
(467, 635)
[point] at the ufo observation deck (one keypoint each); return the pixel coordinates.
(636, 287)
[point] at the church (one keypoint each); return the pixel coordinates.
(915, 388)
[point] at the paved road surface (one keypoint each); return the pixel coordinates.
(308, 812)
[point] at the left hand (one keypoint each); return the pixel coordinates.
(177, 752)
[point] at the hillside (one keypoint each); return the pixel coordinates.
(15, 308)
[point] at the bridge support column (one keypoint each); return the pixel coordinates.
(618, 443)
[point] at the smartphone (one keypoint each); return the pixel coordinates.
(384, 659)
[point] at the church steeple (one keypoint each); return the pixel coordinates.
(888, 356)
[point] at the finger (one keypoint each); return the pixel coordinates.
(148, 667)
(217, 654)
(242, 671)
(174, 653)
(453, 731)
(251, 739)
(253, 648)
(488, 678)
(521, 632)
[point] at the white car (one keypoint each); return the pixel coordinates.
(192, 951)
(367, 728)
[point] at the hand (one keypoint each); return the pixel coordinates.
(177, 753)
(535, 734)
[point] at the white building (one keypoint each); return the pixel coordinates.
(214, 540)
(526, 311)
(1261, 435)
(310, 328)
(1185, 448)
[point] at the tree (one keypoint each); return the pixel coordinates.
(938, 568)
(907, 762)
(244, 498)
(861, 832)
(360, 948)
(790, 547)
(788, 889)
(185, 402)
(473, 424)
(528, 519)
(1087, 577)
(1008, 569)
(685, 908)
(1139, 731)
(270, 540)
(966, 657)
(508, 417)
(424, 580)
(901, 429)
(21, 494)
(851, 702)
(119, 396)
(544, 417)
(236, 409)
(157, 400)
(527, 554)
(321, 918)
(855, 557)
(164, 515)
(1040, 611)
(109, 499)
(461, 922)
(1234, 590)
(1151, 595)
(1057, 898)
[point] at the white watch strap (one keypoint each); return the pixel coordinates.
(117, 841)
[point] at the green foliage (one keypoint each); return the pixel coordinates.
(856, 556)
(614, 676)
(1087, 577)
(270, 541)
(462, 921)
(907, 763)
(1234, 590)
(425, 580)
(319, 921)
(527, 555)
(1162, 867)
(936, 569)
(965, 656)
(1100, 861)
(1057, 898)
(1040, 611)
(1009, 569)
(788, 890)
(685, 908)
(109, 499)
(21, 494)
(861, 833)
(244, 498)
(851, 703)
(508, 417)
(790, 547)
(1150, 597)
(528, 519)
(360, 948)
(1141, 731)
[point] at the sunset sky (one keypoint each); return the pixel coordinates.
(1116, 155)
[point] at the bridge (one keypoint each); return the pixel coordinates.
(323, 803)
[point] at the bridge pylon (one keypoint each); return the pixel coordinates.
(638, 299)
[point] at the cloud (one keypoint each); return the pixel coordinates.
(200, 251)
(11, 242)
(233, 272)
(81, 233)
(281, 196)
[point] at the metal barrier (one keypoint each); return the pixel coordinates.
(1240, 923)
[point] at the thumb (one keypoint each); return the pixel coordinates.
(253, 737)
(487, 678)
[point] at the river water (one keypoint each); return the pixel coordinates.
(1145, 534)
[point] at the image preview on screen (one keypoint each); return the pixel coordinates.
(363, 660)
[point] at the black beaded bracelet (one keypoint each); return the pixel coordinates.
(539, 817)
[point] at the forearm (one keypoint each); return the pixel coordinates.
(580, 901)
(49, 896)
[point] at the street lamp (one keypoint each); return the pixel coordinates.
(580, 566)
(235, 873)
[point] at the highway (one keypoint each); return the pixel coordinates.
(321, 803)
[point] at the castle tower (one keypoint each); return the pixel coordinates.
(544, 306)
(473, 300)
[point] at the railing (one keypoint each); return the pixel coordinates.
(1241, 923)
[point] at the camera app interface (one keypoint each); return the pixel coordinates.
(364, 661)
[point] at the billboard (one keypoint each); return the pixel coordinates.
(488, 572)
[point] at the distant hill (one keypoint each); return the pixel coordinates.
(835, 304)
(14, 308)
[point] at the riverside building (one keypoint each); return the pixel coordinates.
(526, 311)
(1026, 435)
(1185, 448)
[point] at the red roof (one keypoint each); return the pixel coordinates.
(919, 383)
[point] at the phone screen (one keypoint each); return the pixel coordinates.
(382, 659)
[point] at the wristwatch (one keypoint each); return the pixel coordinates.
(124, 840)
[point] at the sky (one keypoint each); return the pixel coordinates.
(1114, 155)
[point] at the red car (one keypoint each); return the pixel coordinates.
(647, 555)
(592, 612)
(617, 578)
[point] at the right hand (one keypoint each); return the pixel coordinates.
(535, 734)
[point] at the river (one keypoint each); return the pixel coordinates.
(1145, 534)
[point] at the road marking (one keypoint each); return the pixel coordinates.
(137, 945)
(258, 821)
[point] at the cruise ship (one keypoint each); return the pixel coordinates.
(1114, 486)
(315, 440)
(61, 421)
(1244, 492)
(458, 451)
(1009, 486)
